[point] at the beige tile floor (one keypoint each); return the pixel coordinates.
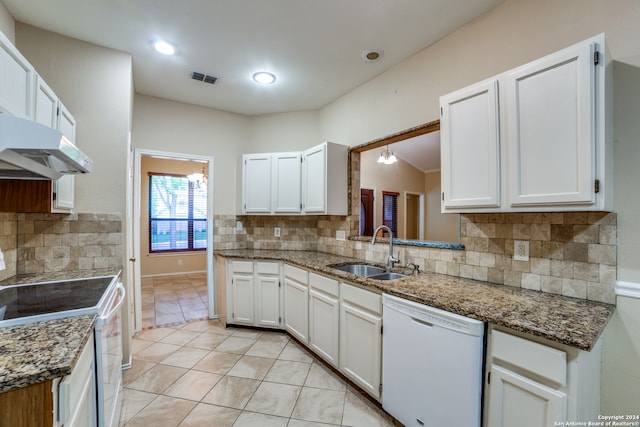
(199, 373)
(173, 299)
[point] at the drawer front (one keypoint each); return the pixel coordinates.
(297, 274)
(324, 284)
(360, 297)
(242, 266)
(268, 268)
(550, 363)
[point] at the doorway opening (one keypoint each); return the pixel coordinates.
(414, 215)
(172, 238)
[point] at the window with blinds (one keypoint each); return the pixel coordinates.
(390, 210)
(177, 214)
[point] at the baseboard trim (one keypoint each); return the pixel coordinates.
(172, 274)
(628, 289)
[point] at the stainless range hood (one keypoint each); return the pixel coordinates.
(29, 150)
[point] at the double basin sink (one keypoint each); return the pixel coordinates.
(370, 271)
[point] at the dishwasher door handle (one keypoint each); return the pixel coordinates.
(422, 322)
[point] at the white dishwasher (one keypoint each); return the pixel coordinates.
(431, 365)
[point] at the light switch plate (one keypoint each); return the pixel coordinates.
(276, 232)
(521, 250)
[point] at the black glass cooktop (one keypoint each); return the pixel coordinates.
(20, 301)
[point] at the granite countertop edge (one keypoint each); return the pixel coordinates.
(42, 351)
(570, 321)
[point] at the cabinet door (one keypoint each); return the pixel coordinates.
(296, 309)
(314, 178)
(268, 301)
(551, 131)
(257, 183)
(515, 400)
(17, 79)
(46, 105)
(361, 347)
(242, 299)
(64, 187)
(470, 147)
(286, 183)
(324, 317)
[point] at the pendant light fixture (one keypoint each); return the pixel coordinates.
(387, 157)
(199, 179)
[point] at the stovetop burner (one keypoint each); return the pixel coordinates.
(42, 300)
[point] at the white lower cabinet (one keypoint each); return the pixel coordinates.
(268, 294)
(296, 305)
(254, 293)
(77, 392)
(324, 317)
(520, 401)
(361, 337)
(533, 382)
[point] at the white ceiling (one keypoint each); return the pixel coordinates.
(422, 152)
(314, 47)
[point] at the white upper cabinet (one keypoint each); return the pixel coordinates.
(64, 187)
(46, 105)
(256, 183)
(310, 182)
(17, 79)
(471, 147)
(550, 124)
(271, 183)
(286, 182)
(49, 111)
(552, 120)
(324, 179)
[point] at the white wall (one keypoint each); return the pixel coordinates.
(95, 84)
(284, 132)
(7, 24)
(175, 127)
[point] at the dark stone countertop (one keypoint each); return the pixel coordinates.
(41, 351)
(575, 322)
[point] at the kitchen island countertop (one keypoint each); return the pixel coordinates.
(571, 321)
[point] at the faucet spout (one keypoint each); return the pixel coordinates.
(391, 260)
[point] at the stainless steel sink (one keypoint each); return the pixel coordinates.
(387, 276)
(360, 269)
(370, 271)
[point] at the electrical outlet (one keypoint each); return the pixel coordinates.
(276, 232)
(521, 250)
(179, 262)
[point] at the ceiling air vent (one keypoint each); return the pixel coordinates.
(203, 77)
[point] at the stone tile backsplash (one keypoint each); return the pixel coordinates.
(8, 243)
(570, 253)
(68, 242)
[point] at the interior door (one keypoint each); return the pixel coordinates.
(367, 204)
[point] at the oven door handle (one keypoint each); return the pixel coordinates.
(122, 293)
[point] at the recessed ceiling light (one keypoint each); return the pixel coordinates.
(372, 55)
(164, 47)
(264, 78)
